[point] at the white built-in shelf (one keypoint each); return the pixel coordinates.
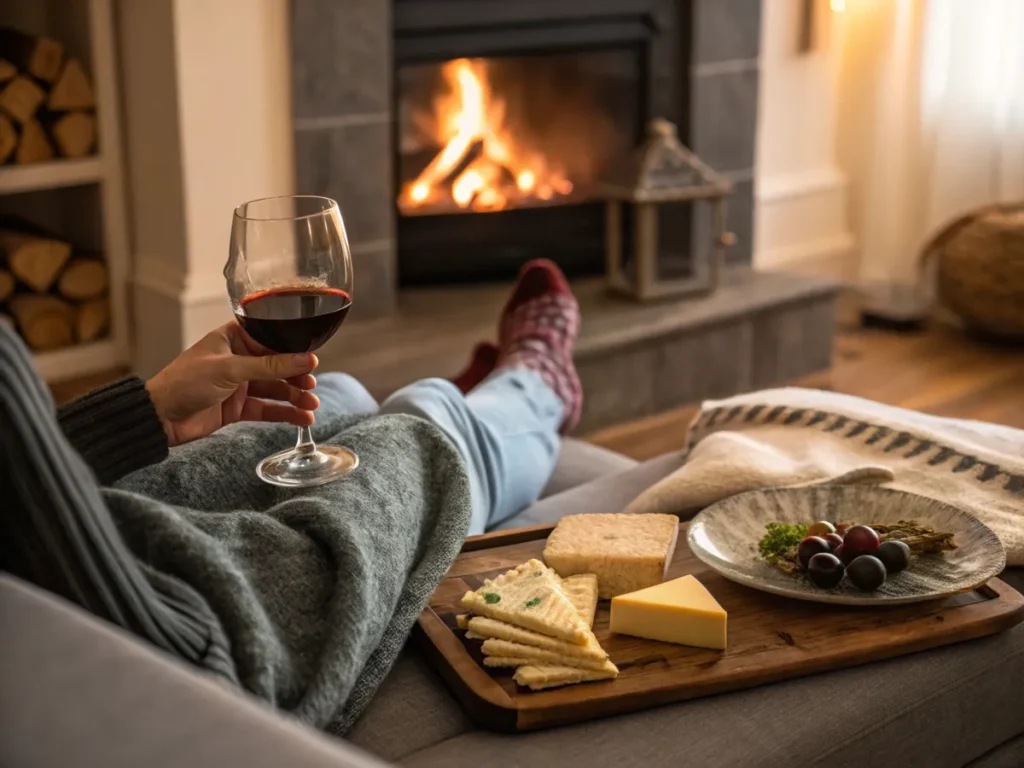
(58, 173)
(81, 358)
(86, 27)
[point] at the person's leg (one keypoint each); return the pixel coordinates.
(341, 393)
(506, 430)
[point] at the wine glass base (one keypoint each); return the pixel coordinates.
(299, 469)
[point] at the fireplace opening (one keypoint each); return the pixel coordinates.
(497, 159)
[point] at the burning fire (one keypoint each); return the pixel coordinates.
(481, 166)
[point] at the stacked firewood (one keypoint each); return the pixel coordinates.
(47, 103)
(56, 294)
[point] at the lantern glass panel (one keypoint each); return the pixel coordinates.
(676, 251)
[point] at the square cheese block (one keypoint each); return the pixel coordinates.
(625, 552)
(679, 611)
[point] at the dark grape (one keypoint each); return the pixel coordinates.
(825, 570)
(860, 540)
(895, 556)
(834, 540)
(842, 554)
(866, 572)
(810, 547)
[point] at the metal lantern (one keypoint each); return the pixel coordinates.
(658, 243)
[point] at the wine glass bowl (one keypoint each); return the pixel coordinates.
(289, 278)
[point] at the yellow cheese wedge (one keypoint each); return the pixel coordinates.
(678, 611)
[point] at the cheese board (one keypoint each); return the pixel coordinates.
(769, 639)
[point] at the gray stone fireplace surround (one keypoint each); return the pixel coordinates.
(756, 332)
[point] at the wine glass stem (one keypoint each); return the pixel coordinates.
(305, 444)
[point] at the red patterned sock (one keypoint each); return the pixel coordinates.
(481, 363)
(538, 329)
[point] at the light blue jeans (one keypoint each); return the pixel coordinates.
(506, 430)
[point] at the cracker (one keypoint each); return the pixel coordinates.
(540, 656)
(537, 678)
(530, 597)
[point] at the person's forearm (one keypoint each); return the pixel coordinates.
(115, 429)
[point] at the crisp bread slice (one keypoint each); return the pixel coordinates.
(530, 596)
(482, 627)
(606, 668)
(505, 649)
(537, 678)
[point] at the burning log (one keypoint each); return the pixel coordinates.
(473, 151)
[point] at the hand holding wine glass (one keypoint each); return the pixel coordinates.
(226, 377)
(289, 276)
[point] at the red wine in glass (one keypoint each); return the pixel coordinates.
(297, 319)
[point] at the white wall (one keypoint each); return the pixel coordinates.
(801, 215)
(208, 121)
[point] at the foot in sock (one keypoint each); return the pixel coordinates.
(481, 363)
(538, 330)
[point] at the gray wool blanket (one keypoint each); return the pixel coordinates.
(316, 590)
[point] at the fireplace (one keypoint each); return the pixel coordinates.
(506, 117)
(462, 137)
(381, 89)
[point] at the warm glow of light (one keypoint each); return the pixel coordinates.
(526, 180)
(837, 6)
(420, 192)
(467, 185)
(481, 166)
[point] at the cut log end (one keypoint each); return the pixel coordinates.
(46, 59)
(7, 70)
(74, 134)
(92, 319)
(45, 322)
(33, 146)
(21, 97)
(41, 57)
(72, 90)
(83, 279)
(36, 261)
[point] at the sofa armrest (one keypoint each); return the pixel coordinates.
(75, 691)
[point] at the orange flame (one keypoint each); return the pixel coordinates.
(481, 166)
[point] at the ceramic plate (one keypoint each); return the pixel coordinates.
(725, 536)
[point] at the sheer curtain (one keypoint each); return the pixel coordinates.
(931, 119)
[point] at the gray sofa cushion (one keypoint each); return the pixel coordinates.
(580, 463)
(411, 711)
(608, 493)
(77, 692)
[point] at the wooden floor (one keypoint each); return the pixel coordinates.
(939, 371)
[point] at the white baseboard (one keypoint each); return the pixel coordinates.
(829, 257)
(801, 224)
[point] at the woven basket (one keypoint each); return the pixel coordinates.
(979, 265)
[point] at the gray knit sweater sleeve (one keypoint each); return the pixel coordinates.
(56, 531)
(115, 429)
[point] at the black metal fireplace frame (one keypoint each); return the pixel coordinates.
(476, 247)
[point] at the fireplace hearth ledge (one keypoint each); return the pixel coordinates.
(760, 329)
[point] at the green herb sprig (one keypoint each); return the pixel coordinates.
(780, 538)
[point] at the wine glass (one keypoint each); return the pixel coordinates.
(289, 276)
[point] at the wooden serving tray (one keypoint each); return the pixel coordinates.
(770, 638)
